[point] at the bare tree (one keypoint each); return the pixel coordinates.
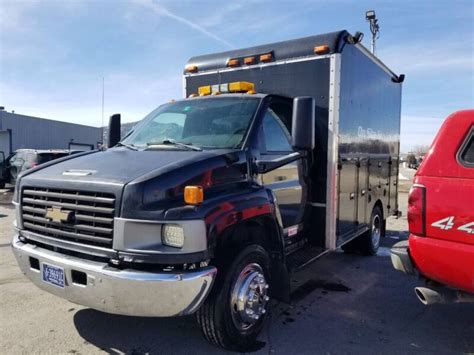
(421, 149)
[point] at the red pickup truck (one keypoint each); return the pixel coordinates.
(441, 216)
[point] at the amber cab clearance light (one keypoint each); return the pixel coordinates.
(324, 49)
(193, 195)
(241, 86)
(266, 57)
(233, 63)
(191, 69)
(204, 90)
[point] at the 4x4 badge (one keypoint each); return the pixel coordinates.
(56, 214)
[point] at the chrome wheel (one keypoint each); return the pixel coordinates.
(249, 297)
(376, 231)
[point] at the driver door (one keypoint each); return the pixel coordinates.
(286, 181)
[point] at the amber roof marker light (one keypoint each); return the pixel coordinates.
(191, 69)
(324, 49)
(250, 60)
(267, 57)
(233, 63)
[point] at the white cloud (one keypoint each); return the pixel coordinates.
(131, 95)
(162, 11)
(430, 56)
(418, 130)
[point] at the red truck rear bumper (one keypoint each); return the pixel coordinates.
(446, 262)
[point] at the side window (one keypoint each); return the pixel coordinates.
(466, 154)
(275, 134)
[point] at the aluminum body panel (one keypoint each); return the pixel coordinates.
(369, 128)
(126, 292)
(332, 171)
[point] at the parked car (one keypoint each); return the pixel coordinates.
(24, 159)
(441, 216)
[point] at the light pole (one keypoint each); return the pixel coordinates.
(374, 27)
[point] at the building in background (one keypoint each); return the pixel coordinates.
(20, 131)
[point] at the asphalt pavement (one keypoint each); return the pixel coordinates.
(344, 303)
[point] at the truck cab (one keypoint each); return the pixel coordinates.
(276, 155)
(441, 216)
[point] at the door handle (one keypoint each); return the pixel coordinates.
(351, 196)
(362, 193)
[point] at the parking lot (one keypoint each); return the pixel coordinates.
(343, 303)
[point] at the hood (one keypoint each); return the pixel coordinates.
(118, 166)
(145, 183)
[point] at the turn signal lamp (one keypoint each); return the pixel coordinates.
(204, 90)
(266, 57)
(193, 195)
(233, 63)
(191, 69)
(321, 49)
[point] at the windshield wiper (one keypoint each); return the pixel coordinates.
(129, 146)
(173, 142)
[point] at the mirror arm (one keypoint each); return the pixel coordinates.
(264, 166)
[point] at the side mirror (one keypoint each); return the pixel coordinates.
(304, 123)
(114, 130)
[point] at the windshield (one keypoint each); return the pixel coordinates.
(204, 123)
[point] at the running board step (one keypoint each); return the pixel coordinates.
(304, 256)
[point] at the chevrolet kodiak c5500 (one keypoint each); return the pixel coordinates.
(278, 154)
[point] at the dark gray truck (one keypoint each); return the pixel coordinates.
(277, 155)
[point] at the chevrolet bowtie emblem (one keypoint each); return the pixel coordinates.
(57, 215)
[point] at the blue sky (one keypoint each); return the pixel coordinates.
(53, 54)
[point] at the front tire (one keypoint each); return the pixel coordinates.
(233, 314)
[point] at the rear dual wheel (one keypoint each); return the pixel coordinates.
(234, 313)
(369, 242)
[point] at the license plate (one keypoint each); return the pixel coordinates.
(53, 275)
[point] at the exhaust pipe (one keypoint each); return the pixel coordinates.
(441, 295)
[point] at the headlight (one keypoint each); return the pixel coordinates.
(172, 235)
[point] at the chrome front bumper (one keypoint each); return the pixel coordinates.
(126, 292)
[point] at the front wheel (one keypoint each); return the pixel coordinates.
(234, 313)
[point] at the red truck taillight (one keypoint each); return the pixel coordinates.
(417, 210)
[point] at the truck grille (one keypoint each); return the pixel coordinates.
(83, 217)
